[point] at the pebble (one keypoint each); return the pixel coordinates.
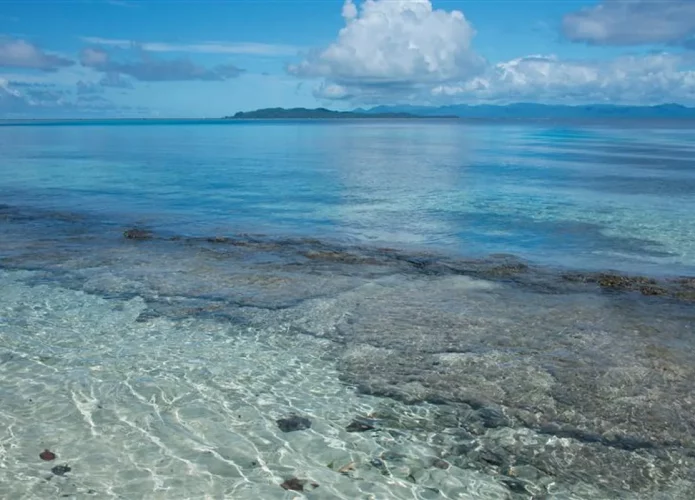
(293, 423)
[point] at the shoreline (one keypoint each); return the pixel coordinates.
(421, 258)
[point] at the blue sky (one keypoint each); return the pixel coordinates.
(207, 58)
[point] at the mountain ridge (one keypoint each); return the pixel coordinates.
(532, 110)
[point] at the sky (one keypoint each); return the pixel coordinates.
(210, 58)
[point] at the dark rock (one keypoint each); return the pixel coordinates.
(619, 282)
(623, 442)
(360, 425)
(514, 484)
(685, 295)
(338, 256)
(61, 470)
(464, 448)
(219, 239)
(653, 290)
(628, 443)
(137, 234)
(571, 432)
(493, 417)
(147, 315)
(506, 270)
(295, 484)
(441, 464)
(492, 457)
(378, 463)
(392, 456)
(293, 423)
(47, 455)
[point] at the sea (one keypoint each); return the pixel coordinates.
(347, 309)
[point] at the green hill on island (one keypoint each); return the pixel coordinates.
(320, 113)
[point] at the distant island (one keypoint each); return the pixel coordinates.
(520, 111)
(323, 114)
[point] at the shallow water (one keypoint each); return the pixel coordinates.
(157, 367)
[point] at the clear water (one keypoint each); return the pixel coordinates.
(158, 368)
(584, 197)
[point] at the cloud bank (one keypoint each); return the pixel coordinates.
(397, 51)
(22, 99)
(16, 53)
(147, 68)
(237, 48)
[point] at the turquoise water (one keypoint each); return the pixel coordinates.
(600, 197)
(504, 308)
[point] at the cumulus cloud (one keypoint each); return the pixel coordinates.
(394, 42)
(633, 22)
(16, 53)
(405, 51)
(149, 69)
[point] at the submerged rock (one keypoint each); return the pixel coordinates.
(293, 423)
(493, 417)
(137, 234)
(361, 425)
(61, 470)
(441, 464)
(295, 484)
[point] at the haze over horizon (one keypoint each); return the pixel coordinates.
(111, 58)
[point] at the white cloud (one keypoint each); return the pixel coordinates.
(633, 22)
(405, 51)
(655, 78)
(402, 42)
(239, 48)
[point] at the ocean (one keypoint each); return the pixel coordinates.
(368, 309)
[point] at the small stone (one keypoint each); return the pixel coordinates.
(441, 464)
(293, 423)
(295, 484)
(47, 455)
(347, 468)
(359, 426)
(61, 470)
